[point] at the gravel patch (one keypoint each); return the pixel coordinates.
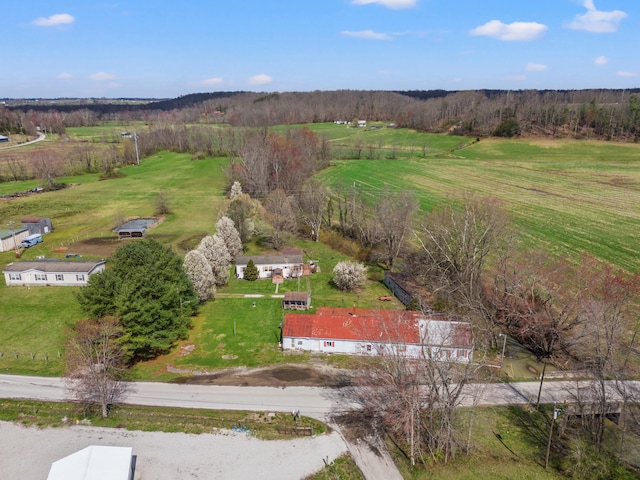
(28, 452)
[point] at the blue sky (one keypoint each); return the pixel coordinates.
(160, 49)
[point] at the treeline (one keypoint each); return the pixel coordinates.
(598, 114)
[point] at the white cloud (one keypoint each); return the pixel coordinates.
(213, 81)
(394, 4)
(53, 20)
(366, 35)
(596, 21)
(102, 76)
(535, 67)
(261, 79)
(516, 31)
(601, 60)
(627, 74)
(64, 76)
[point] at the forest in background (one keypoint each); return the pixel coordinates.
(605, 114)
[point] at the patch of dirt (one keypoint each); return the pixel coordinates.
(274, 376)
(96, 247)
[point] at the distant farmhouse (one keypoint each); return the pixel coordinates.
(358, 331)
(10, 239)
(289, 265)
(50, 272)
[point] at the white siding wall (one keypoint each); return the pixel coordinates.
(37, 278)
(350, 347)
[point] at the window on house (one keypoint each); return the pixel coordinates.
(368, 348)
(329, 344)
(41, 277)
(80, 278)
(15, 276)
(299, 342)
(462, 353)
(59, 277)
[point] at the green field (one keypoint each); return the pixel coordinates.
(564, 196)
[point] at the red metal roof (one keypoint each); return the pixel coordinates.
(359, 324)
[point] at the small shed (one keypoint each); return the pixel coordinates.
(9, 239)
(296, 301)
(135, 228)
(96, 462)
(3, 139)
(41, 225)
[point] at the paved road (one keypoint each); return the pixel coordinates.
(41, 136)
(314, 402)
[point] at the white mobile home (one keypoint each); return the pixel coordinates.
(50, 272)
(291, 265)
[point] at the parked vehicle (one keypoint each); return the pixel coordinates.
(31, 240)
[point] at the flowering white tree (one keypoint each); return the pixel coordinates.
(348, 275)
(226, 229)
(236, 189)
(215, 251)
(199, 270)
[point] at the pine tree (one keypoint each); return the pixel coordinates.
(251, 271)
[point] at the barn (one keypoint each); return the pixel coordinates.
(358, 331)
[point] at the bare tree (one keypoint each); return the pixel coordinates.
(394, 214)
(95, 362)
(455, 246)
(414, 398)
(310, 205)
(608, 297)
(201, 275)
(279, 213)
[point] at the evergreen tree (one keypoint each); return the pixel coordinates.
(146, 287)
(251, 271)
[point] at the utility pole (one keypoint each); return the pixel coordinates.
(504, 344)
(13, 235)
(135, 140)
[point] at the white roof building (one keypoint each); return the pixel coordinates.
(95, 463)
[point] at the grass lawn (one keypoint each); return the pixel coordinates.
(154, 419)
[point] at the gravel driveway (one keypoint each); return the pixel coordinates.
(27, 453)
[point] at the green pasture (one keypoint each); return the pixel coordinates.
(33, 327)
(88, 207)
(108, 131)
(566, 197)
